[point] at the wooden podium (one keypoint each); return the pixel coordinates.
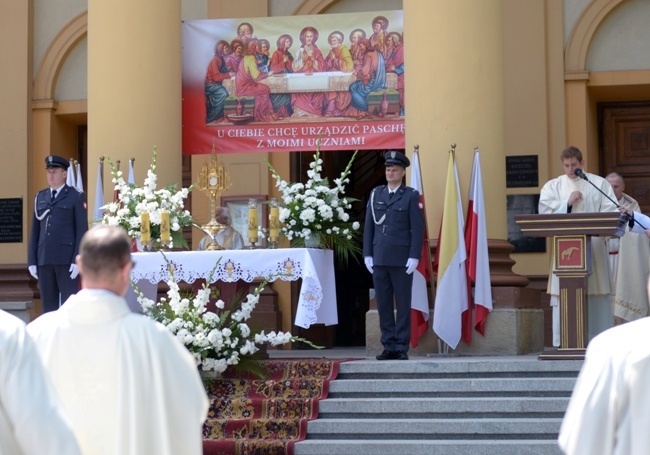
(571, 233)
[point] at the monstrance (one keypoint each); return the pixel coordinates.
(214, 179)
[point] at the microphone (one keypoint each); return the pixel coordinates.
(580, 173)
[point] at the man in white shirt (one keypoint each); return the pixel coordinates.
(31, 418)
(127, 384)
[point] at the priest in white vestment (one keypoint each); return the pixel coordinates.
(629, 262)
(609, 410)
(571, 194)
(127, 384)
(228, 238)
(31, 419)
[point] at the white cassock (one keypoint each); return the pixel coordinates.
(608, 413)
(127, 384)
(630, 267)
(554, 198)
(228, 239)
(31, 419)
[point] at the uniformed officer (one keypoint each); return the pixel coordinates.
(392, 243)
(60, 220)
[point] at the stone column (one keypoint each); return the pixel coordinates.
(134, 88)
(454, 70)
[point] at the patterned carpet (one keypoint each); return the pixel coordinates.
(252, 416)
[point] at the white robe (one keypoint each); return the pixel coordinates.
(31, 419)
(128, 385)
(228, 239)
(630, 269)
(608, 413)
(554, 198)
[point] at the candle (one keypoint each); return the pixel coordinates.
(252, 221)
(274, 221)
(145, 233)
(164, 228)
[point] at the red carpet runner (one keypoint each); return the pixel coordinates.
(251, 416)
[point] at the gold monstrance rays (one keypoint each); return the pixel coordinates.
(214, 179)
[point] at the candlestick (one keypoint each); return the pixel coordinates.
(145, 232)
(252, 221)
(165, 235)
(274, 223)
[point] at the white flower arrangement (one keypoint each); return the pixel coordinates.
(133, 200)
(216, 340)
(314, 210)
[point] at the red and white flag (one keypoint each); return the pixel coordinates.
(451, 293)
(478, 262)
(422, 274)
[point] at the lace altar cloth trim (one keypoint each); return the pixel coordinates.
(314, 266)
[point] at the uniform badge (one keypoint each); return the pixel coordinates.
(393, 154)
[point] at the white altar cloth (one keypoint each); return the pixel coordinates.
(317, 301)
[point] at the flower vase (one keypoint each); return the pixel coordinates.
(208, 377)
(139, 247)
(312, 241)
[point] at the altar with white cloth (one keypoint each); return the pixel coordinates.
(317, 299)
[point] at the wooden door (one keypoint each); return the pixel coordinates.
(624, 146)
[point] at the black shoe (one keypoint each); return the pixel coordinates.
(401, 355)
(386, 355)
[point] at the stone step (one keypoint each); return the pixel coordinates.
(458, 407)
(411, 429)
(438, 447)
(461, 367)
(466, 387)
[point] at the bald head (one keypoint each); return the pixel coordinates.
(105, 259)
(618, 184)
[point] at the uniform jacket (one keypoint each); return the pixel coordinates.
(55, 238)
(401, 234)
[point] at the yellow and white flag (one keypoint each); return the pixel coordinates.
(451, 292)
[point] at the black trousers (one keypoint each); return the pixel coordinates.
(392, 284)
(54, 282)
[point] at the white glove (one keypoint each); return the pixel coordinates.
(369, 263)
(411, 265)
(74, 271)
(32, 271)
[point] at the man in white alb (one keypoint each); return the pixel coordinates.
(629, 261)
(608, 413)
(31, 419)
(228, 238)
(127, 384)
(571, 194)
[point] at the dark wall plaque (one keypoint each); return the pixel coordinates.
(11, 220)
(522, 171)
(523, 204)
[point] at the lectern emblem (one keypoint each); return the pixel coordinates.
(569, 252)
